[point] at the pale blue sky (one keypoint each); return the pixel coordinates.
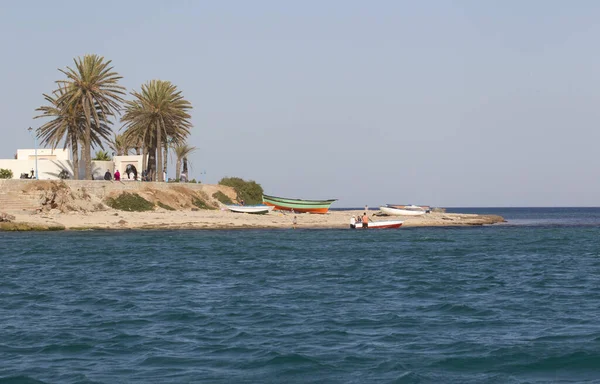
(448, 103)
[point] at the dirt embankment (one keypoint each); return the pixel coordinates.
(24, 202)
(93, 196)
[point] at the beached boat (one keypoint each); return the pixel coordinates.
(407, 210)
(298, 205)
(381, 224)
(255, 209)
(411, 207)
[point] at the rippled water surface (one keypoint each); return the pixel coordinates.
(509, 303)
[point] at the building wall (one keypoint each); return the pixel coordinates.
(43, 154)
(51, 162)
(121, 162)
(49, 169)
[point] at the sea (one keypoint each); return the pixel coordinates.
(517, 302)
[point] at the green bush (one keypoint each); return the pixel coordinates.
(130, 202)
(165, 206)
(192, 181)
(198, 202)
(223, 198)
(249, 191)
(6, 173)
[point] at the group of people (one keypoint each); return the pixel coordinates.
(108, 176)
(360, 221)
(145, 176)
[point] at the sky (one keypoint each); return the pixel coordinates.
(445, 103)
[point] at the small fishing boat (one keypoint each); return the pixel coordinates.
(411, 206)
(381, 224)
(298, 205)
(406, 210)
(255, 209)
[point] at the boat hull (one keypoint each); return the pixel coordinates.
(252, 209)
(298, 205)
(401, 212)
(382, 224)
(399, 206)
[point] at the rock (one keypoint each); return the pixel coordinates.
(6, 218)
(122, 222)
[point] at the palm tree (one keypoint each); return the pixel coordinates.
(68, 124)
(102, 156)
(93, 88)
(182, 151)
(119, 145)
(63, 125)
(157, 113)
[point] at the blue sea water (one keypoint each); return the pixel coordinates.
(512, 303)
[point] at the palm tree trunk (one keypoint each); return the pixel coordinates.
(165, 161)
(144, 159)
(75, 154)
(178, 169)
(185, 166)
(152, 163)
(87, 148)
(159, 163)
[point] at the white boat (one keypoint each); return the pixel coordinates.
(407, 210)
(381, 224)
(255, 209)
(411, 206)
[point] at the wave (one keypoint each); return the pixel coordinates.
(20, 379)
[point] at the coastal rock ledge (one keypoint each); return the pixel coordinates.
(78, 205)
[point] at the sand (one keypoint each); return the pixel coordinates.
(79, 204)
(221, 219)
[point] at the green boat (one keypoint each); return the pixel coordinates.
(298, 205)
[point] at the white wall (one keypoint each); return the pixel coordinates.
(49, 169)
(98, 169)
(43, 153)
(121, 163)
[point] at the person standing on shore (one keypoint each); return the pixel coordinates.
(117, 175)
(352, 222)
(365, 221)
(294, 222)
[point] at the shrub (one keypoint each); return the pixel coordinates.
(192, 181)
(249, 191)
(198, 202)
(130, 202)
(223, 198)
(165, 206)
(6, 173)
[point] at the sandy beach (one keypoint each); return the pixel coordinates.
(81, 205)
(204, 219)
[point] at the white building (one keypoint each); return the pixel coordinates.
(50, 162)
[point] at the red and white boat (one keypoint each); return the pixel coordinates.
(381, 224)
